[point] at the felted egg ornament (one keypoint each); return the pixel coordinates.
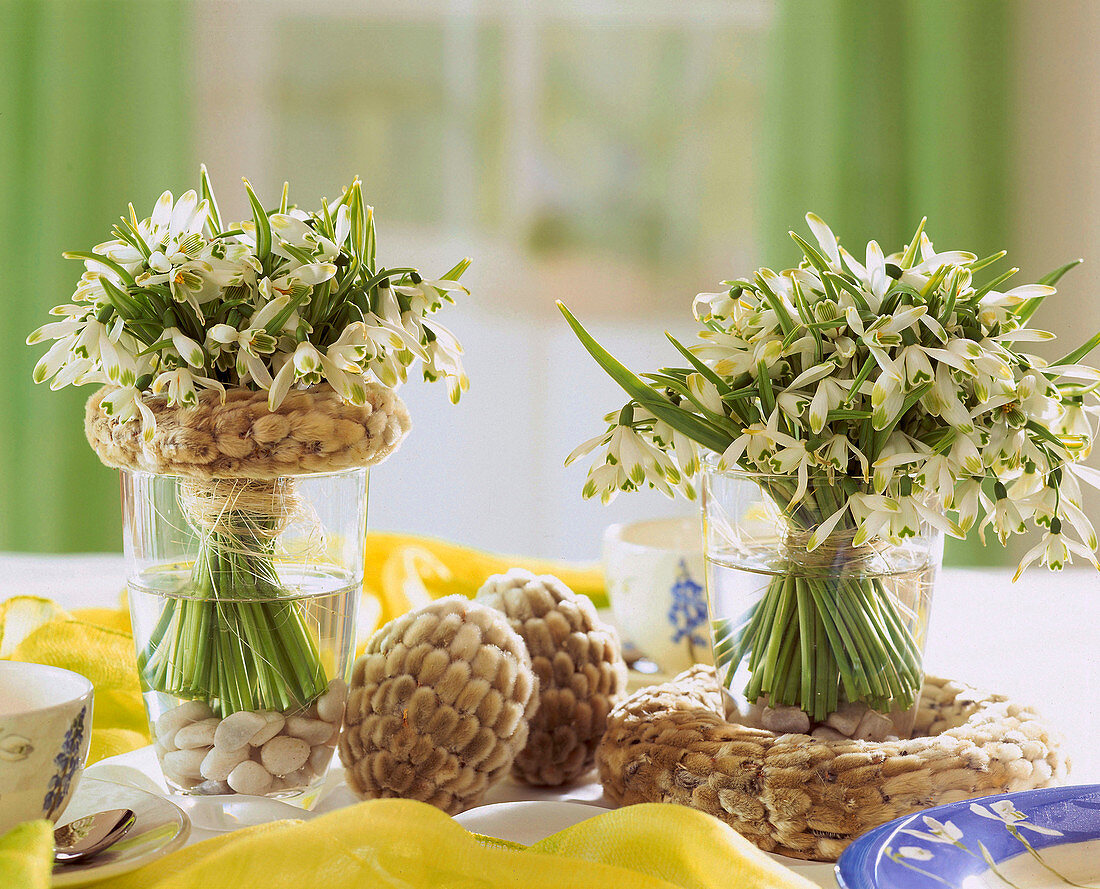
(438, 706)
(579, 664)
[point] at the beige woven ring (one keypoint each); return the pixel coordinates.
(313, 430)
(809, 798)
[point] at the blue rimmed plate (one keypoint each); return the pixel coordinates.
(1035, 839)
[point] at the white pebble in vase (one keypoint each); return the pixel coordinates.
(197, 734)
(330, 706)
(283, 755)
(312, 731)
(237, 729)
(250, 777)
(171, 721)
(274, 724)
(219, 762)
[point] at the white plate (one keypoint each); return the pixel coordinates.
(528, 822)
(159, 828)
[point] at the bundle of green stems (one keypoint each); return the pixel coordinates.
(235, 637)
(826, 629)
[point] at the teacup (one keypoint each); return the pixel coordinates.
(655, 576)
(45, 729)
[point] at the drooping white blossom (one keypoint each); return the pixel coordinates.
(878, 396)
(179, 302)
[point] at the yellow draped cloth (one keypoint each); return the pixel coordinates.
(379, 843)
(402, 844)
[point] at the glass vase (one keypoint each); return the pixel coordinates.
(819, 636)
(243, 598)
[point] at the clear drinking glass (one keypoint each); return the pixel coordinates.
(243, 597)
(836, 631)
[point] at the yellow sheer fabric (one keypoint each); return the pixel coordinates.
(406, 844)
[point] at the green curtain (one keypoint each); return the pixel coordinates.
(95, 98)
(879, 113)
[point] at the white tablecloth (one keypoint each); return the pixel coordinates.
(1037, 641)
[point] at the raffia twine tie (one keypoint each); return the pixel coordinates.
(836, 555)
(259, 509)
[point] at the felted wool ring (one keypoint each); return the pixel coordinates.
(439, 706)
(807, 797)
(580, 669)
(313, 430)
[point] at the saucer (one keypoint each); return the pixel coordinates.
(159, 828)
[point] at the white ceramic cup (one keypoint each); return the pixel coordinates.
(45, 729)
(655, 582)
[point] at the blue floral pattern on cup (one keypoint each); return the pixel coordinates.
(68, 762)
(689, 609)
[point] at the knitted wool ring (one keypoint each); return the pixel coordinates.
(580, 669)
(439, 706)
(809, 798)
(313, 430)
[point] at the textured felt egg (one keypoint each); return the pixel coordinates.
(439, 706)
(579, 664)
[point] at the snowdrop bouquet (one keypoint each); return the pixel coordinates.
(179, 302)
(873, 395)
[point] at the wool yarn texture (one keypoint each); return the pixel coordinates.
(807, 797)
(313, 430)
(439, 706)
(579, 664)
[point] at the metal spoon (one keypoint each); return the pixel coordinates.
(81, 839)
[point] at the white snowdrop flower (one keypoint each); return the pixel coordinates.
(1006, 812)
(837, 451)
(426, 296)
(706, 393)
(75, 372)
(58, 356)
(829, 396)
(872, 275)
(126, 403)
(876, 514)
(887, 398)
(729, 355)
(1054, 551)
(180, 385)
(915, 853)
(826, 240)
(587, 447)
(1003, 514)
(755, 443)
(946, 833)
(605, 481)
(445, 360)
(966, 501)
(713, 306)
(307, 360)
(185, 347)
(1076, 428)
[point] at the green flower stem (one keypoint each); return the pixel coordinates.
(236, 641)
(809, 639)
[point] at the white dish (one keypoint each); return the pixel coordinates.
(159, 828)
(526, 822)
